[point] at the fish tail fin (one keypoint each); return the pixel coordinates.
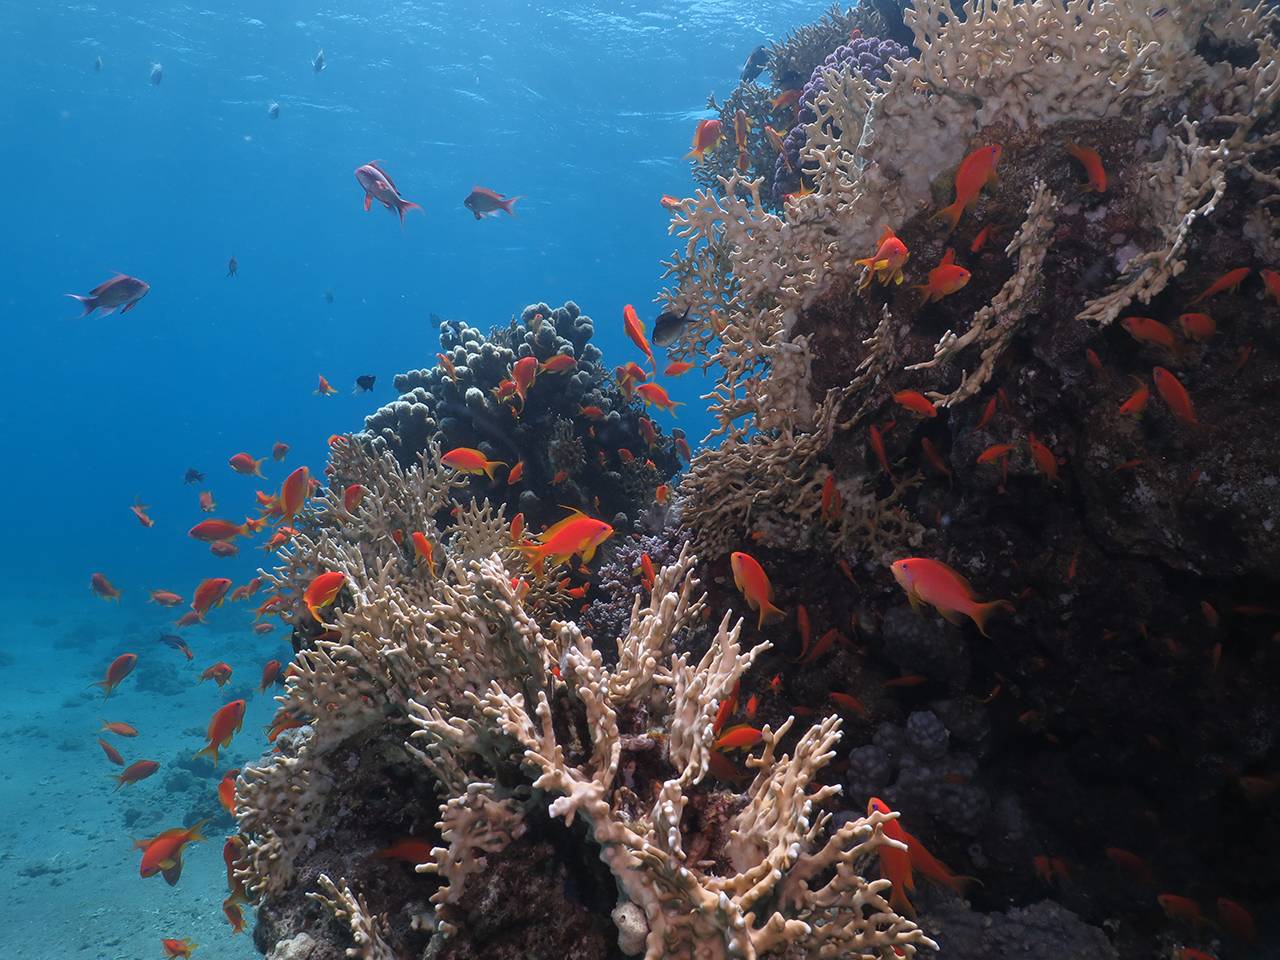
(982, 612)
(494, 464)
(88, 303)
(769, 614)
(509, 204)
(898, 900)
(536, 558)
(403, 206)
(211, 751)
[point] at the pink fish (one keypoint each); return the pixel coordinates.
(378, 186)
(119, 291)
(483, 202)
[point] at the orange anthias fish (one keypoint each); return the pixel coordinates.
(219, 673)
(227, 790)
(1130, 863)
(1042, 457)
(741, 127)
(162, 853)
(165, 598)
(1197, 326)
(1093, 167)
(139, 510)
(832, 502)
(174, 948)
(324, 388)
(223, 548)
(206, 501)
(749, 577)
(662, 493)
(895, 862)
(119, 728)
(209, 594)
(323, 590)
(1237, 920)
(120, 668)
(408, 850)
(677, 368)
(1173, 393)
(1271, 282)
(935, 583)
(223, 725)
(987, 232)
(944, 279)
(352, 496)
(211, 531)
(576, 535)
(655, 395)
(877, 446)
(244, 464)
(294, 492)
(670, 202)
(523, 372)
(737, 738)
(560, 363)
(270, 672)
(1147, 330)
(1182, 909)
(916, 402)
(515, 474)
(887, 262)
(937, 871)
(1137, 401)
(778, 142)
(976, 171)
(425, 550)
(138, 770)
(112, 753)
(235, 916)
(787, 98)
(279, 450)
(706, 135)
(647, 574)
(471, 461)
(100, 585)
(633, 327)
(934, 457)
(847, 701)
(1230, 280)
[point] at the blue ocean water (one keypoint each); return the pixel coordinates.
(585, 109)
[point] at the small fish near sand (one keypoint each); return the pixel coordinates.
(483, 202)
(379, 186)
(121, 291)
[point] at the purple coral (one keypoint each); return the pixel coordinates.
(870, 56)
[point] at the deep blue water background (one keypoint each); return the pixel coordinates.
(586, 109)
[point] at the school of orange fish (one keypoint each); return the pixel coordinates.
(579, 536)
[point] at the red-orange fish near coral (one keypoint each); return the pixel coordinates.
(139, 510)
(425, 550)
(270, 673)
(1137, 401)
(1042, 457)
(1237, 920)
(112, 753)
(206, 501)
(753, 582)
(174, 948)
(877, 447)
(654, 395)
(886, 263)
(895, 861)
(138, 770)
(119, 728)
(1175, 395)
(471, 461)
(1197, 326)
(935, 583)
(209, 594)
(211, 531)
(1093, 168)
(1271, 283)
(322, 591)
(706, 135)
(677, 368)
(846, 701)
(223, 725)
(165, 598)
(324, 388)
(832, 502)
(223, 548)
(916, 402)
(408, 850)
(1230, 280)
(219, 673)
(633, 326)
(560, 363)
(737, 738)
(244, 464)
(163, 853)
(934, 457)
(103, 587)
(976, 171)
(120, 668)
(670, 202)
(1182, 909)
(944, 279)
(227, 790)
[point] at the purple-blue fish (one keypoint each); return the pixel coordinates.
(119, 291)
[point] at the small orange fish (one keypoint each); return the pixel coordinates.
(352, 496)
(976, 171)
(935, 583)
(677, 368)
(517, 527)
(846, 701)
(1175, 395)
(209, 594)
(988, 232)
(1191, 953)
(647, 574)
(223, 548)
(112, 753)
(1147, 330)
(425, 550)
(177, 948)
(877, 447)
(293, 493)
(726, 708)
(188, 619)
(163, 853)
(138, 770)
(1093, 167)
(591, 412)
(120, 668)
(324, 388)
(576, 535)
(934, 457)
(1137, 401)
(560, 363)
(1197, 326)
(1230, 280)
(787, 99)
(662, 494)
(560, 477)
(706, 135)
(235, 916)
(219, 673)
(944, 279)
(778, 142)
(470, 461)
(916, 402)
(103, 587)
(223, 725)
(523, 373)
(1271, 282)
(895, 861)
(1043, 457)
(139, 510)
(1181, 909)
(408, 850)
(263, 628)
(832, 504)
(737, 738)
(753, 706)
(206, 501)
(119, 728)
(886, 263)
(322, 591)
(805, 629)
(211, 531)
(670, 202)
(988, 413)
(227, 790)
(654, 395)
(753, 582)
(270, 672)
(998, 453)
(165, 598)
(1094, 360)
(1131, 864)
(447, 362)
(1237, 920)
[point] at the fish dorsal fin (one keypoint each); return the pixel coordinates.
(377, 165)
(886, 233)
(948, 258)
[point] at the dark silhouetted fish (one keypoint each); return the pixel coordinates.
(484, 202)
(192, 476)
(175, 641)
(668, 327)
(756, 63)
(119, 291)
(273, 111)
(365, 383)
(232, 266)
(157, 74)
(328, 296)
(435, 320)
(318, 63)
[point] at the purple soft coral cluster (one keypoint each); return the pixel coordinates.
(619, 582)
(871, 57)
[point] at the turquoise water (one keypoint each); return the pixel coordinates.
(584, 109)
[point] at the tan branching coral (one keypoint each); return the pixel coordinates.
(352, 910)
